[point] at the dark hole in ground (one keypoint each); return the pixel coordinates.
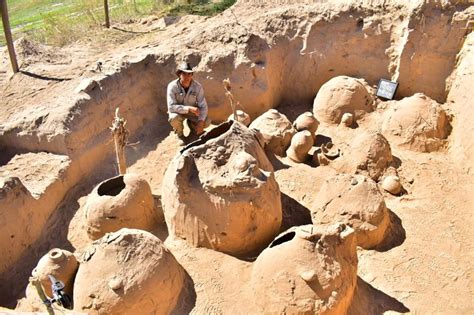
(111, 187)
(285, 238)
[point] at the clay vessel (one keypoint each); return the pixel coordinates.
(128, 272)
(307, 270)
(118, 202)
(59, 263)
(300, 145)
(354, 200)
(276, 130)
(307, 121)
(347, 119)
(341, 95)
(242, 117)
(392, 184)
(220, 192)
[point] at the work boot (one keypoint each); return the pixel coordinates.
(181, 138)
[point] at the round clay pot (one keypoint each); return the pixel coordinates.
(60, 264)
(300, 145)
(122, 201)
(392, 184)
(347, 119)
(306, 121)
(128, 272)
(276, 131)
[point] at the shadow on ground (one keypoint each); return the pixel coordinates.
(371, 301)
(395, 234)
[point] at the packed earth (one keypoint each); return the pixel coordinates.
(310, 193)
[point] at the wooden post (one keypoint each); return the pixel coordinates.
(106, 8)
(229, 95)
(8, 35)
(120, 135)
(37, 284)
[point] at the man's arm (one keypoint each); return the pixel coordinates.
(202, 104)
(173, 106)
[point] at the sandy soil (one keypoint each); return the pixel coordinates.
(424, 267)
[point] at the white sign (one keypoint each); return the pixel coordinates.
(386, 89)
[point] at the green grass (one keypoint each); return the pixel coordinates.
(60, 22)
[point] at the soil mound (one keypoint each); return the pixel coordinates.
(220, 192)
(320, 281)
(356, 201)
(128, 272)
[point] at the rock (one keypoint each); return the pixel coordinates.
(417, 123)
(341, 95)
(276, 129)
(320, 281)
(220, 192)
(356, 201)
(300, 145)
(59, 263)
(392, 184)
(118, 202)
(128, 272)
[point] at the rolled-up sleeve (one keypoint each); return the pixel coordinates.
(173, 106)
(202, 104)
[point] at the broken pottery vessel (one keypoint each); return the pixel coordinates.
(59, 263)
(128, 272)
(119, 202)
(242, 117)
(341, 95)
(356, 201)
(309, 269)
(276, 130)
(220, 192)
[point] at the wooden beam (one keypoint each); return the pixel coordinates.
(106, 9)
(8, 35)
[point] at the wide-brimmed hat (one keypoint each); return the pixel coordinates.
(184, 67)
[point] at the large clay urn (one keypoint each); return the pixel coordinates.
(119, 202)
(220, 192)
(307, 269)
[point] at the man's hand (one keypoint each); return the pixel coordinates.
(200, 127)
(193, 110)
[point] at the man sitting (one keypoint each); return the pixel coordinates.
(185, 98)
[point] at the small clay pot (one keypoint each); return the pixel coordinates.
(300, 145)
(60, 264)
(392, 184)
(242, 117)
(347, 119)
(306, 121)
